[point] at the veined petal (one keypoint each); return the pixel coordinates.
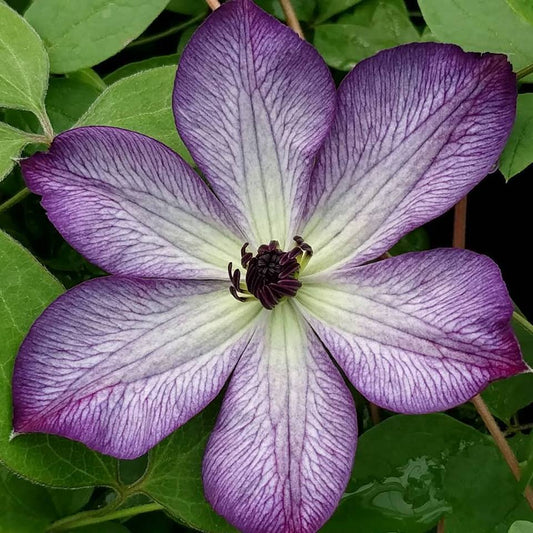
(118, 363)
(253, 103)
(416, 128)
(420, 332)
(281, 452)
(132, 206)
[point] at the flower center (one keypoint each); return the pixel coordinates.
(271, 274)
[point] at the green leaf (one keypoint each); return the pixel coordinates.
(67, 502)
(505, 397)
(19, 5)
(524, 8)
(411, 470)
(518, 152)
(344, 44)
(483, 493)
(174, 478)
(397, 481)
(187, 7)
(28, 508)
(304, 8)
(12, 141)
(415, 241)
(185, 37)
(82, 34)
(521, 527)
(329, 8)
(23, 64)
(481, 26)
(140, 66)
(67, 100)
(26, 288)
(142, 102)
(88, 76)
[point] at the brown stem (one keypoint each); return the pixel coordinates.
(459, 231)
(440, 526)
(374, 413)
(502, 443)
(213, 4)
(292, 19)
(459, 224)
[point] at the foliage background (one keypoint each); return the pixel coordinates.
(410, 471)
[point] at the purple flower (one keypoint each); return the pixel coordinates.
(120, 362)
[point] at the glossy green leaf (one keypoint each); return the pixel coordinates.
(524, 8)
(411, 470)
(329, 8)
(481, 26)
(12, 141)
(397, 481)
(521, 526)
(188, 7)
(26, 288)
(505, 397)
(174, 477)
(29, 508)
(483, 493)
(82, 34)
(142, 102)
(140, 66)
(344, 44)
(518, 152)
(23, 63)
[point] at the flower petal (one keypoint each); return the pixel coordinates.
(118, 363)
(420, 332)
(253, 103)
(132, 206)
(416, 128)
(281, 453)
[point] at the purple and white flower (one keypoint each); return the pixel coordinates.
(307, 186)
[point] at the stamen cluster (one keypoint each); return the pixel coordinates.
(271, 274)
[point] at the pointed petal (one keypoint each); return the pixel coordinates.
(118, 364)
(132, 206)
(416, 128)
(418, 333)
(253, 103)
(281, 453)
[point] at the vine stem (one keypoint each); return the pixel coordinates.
(459, 224)
(522, 73)
(14, 199)
(459, 239)
(374, 413)
(86, 518)
(213, 4)
(440, 526)
(501, 442)
(292, 19)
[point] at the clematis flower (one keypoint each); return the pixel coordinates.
(307, 186)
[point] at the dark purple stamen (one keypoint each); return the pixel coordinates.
(271, 274)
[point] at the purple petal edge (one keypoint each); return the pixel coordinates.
(420, 332)
(119, 364)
